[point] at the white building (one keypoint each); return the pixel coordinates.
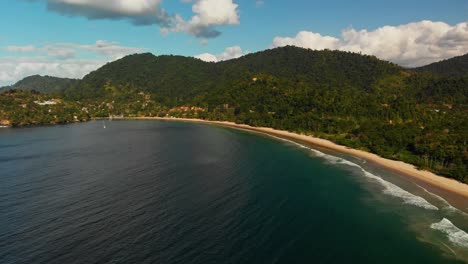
(48, 102)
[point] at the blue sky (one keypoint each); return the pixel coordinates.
(60, 37)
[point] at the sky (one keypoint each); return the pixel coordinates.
(70, 38)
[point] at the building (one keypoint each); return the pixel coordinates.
(48, 102)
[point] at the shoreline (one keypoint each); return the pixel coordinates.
(429, 179)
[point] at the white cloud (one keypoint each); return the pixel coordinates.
(208, 57)
(112, 50)
(412, 44)
(55, 50)
(308, 39)
(29, 48)
(59, 59)
(229, 53)
(13, 69)
(207, 14)
(215, 12)
(139, 12)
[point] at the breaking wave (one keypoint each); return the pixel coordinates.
(454, 234)
(447, 205)
(389, 188)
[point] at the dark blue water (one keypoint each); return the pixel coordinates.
(170, 192)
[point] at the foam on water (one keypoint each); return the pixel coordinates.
(389, 188)
(454, 234)
(408, 198)
(448, 206)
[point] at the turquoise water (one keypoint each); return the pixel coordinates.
(170, 192)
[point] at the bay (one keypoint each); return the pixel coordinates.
(172, 192)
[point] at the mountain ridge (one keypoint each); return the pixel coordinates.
(43, 84)
(180, 76)
(452, 67)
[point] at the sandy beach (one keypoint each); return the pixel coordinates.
(421, 176)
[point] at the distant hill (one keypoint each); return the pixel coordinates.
(43, 84)
(177, 77)
(312, 65)
(175, 80)
(166, 75)
(457, 66)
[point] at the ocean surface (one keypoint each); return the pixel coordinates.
(173, 192)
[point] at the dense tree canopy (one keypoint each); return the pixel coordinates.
(43, 84)
(457, 66)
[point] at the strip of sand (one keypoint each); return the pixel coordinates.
(427, 177)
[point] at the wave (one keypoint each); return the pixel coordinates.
(408, 198)
(448, 206)
(454, 234)
(389, 188)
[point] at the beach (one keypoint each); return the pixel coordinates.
(455, 191)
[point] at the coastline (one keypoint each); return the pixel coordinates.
(429, 179)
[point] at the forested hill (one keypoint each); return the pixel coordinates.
(43, 84)
(334, 67)
(457, 66)
(176, 77)
(171, 76)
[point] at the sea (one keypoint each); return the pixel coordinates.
(173, 192)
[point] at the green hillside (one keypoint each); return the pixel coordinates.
(170, 76)
(457, 66)
(43, 84)
(176, 78)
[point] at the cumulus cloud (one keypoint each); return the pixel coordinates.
(139, 12)
(112, 50)
(55, 50)
(229, 53)
(13, 69)
(208, 57)
(207, 14)
(28, 48)
(59, 59)
(306, 39)
(410, 45)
